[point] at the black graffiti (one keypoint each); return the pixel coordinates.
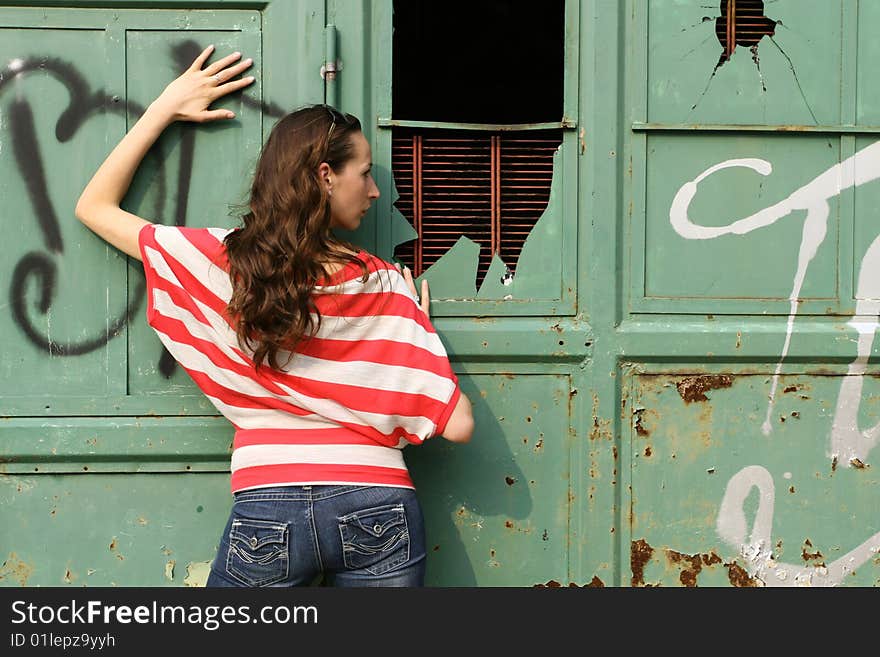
(39, 266)
(83, 104)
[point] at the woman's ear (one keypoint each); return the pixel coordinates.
(324, 172)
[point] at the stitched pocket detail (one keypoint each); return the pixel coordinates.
(258, 551)
(375, 539)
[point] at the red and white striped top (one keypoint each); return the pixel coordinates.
(374, 378)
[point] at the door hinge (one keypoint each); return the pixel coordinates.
(331, 65)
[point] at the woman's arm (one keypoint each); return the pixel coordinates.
(186, 99)
(460, 425)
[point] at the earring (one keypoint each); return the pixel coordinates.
(329, 192)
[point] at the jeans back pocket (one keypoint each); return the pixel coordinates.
(258, 551)
(375, 539)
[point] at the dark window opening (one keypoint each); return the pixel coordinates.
(491, 187)
(475, 61)
(742, 23)
(478, 61)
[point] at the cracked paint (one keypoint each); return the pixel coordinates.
(197, 573)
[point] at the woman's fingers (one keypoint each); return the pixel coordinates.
(425, 300)
(220, 64)
(235, 85)
(214, 115)
(229, 73)
(426, 297)
(407, 276)
(202, 58)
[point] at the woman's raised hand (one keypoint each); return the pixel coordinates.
(188, 97)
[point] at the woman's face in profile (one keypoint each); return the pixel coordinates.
(353, 187)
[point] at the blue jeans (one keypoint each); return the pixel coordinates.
(352, 535)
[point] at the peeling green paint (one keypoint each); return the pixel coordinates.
(197, 573)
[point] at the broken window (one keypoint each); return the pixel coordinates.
(477, 107)
(743, 23)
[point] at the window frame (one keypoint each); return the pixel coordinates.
(563, 299)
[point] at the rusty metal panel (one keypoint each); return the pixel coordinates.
(746, 347)
(717, 501)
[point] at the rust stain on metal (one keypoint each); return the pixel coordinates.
(115, 549)
(710, 559)
(508, 524)
(738, 576)
(691, 565)
(510, 480)
(639, 554)
(640, 430)
(594, 432)
(648, 451)
(16, 568)
(791, 489)
(553, 584)
(857, 463)
(807, 556)
(834, 464)
(693, 388)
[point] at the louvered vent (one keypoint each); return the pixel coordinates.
(489, 186)
(742, 22)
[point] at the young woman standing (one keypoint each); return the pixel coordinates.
(319, 353)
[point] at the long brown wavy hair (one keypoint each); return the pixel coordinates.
(285, 243)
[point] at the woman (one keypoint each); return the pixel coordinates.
(319, 354)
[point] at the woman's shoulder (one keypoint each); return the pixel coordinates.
(187, 242)
(353, 266)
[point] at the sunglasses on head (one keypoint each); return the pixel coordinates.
(335, 117)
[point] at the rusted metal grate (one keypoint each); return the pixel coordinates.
(489, 186)
(742, 22)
